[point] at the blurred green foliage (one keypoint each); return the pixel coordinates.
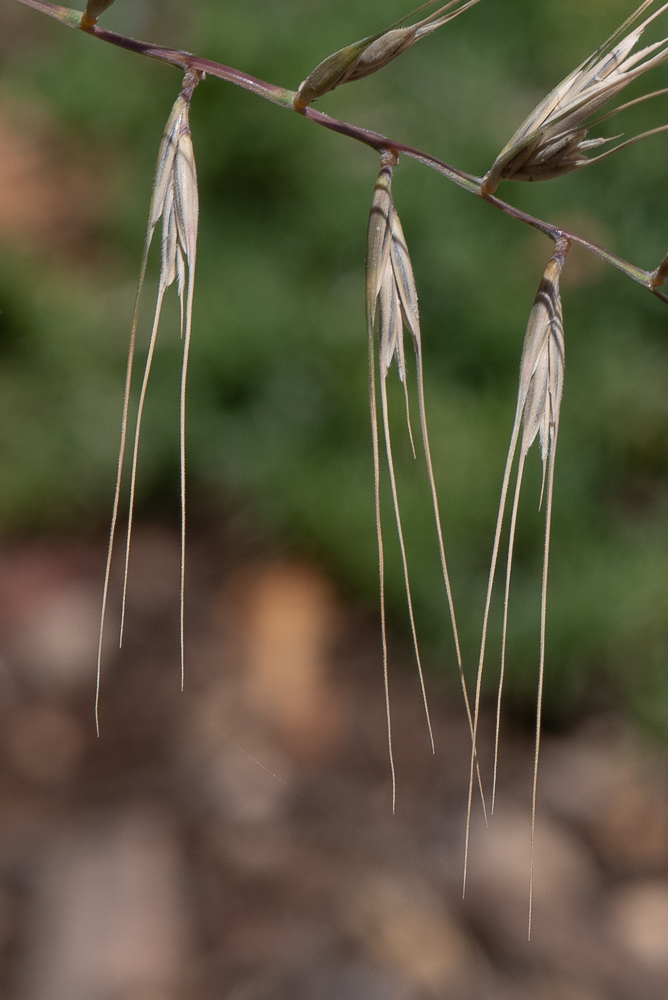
(278, 427)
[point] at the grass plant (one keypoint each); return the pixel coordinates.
(551, 142)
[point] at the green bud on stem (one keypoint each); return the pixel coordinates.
(93, 10)
(373, 53)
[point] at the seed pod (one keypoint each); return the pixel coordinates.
(373, 53)
(552, 141)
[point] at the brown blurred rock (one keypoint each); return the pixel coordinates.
(631, 831)
(55, 637)
(6, 916)
(639, 923)
(44, 743)
(555, 989)
(154, 571)
(403, 925)
(243, 774)
(48, 195)
(108, 914)
(253, 848)
(248, 788)
(288, 617)
(497, 895)
(614, 789)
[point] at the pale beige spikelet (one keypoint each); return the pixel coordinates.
(379, 238)
(536, 415)
(542, 368)
(174, 204)
(391, 292)
(553, 141)
(373, 53)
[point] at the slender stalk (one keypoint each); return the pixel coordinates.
(286, 99)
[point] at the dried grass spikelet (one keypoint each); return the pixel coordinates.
(93, 10)
(536, 415)
(175, 204)
(373, 53)
(553, 139)
(391, 292)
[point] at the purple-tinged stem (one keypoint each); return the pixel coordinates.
(285, 98)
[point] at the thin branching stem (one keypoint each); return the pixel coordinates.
(285, 98)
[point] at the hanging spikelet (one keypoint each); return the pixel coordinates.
(373, 53)
(537, 415)
(175, 204)
(552, 141)
(391, 292)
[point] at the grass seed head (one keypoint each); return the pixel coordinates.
(552, 141)
(379, 238)
(542, 365)
(373, 53)
(383, 290)
(391, 290)
(402, 271)
(390, 283)
(175, 198)
(174, 202)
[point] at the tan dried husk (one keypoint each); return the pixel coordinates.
(373, 53)
(552, 141)
(542, 366)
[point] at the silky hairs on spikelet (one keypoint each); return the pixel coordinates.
(552, 141)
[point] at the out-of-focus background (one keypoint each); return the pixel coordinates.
(237, 840)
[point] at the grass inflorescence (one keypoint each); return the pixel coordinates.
(552, 142)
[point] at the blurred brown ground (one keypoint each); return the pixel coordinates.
(237, 840)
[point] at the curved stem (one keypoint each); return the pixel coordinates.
(285, 98)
